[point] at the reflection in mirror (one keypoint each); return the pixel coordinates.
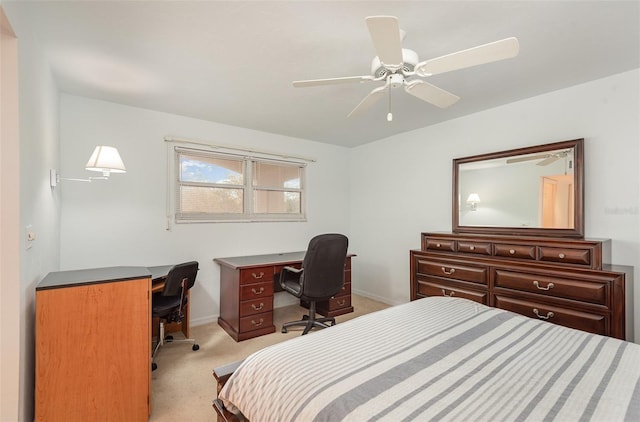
(536, 189)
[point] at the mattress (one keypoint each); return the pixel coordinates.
(442, 359)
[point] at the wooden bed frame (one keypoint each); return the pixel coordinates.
(222, 374)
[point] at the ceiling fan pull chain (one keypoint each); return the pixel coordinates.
(389, 115)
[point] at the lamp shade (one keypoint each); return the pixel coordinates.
(106, 159)
(473, 198)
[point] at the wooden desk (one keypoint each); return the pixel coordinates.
(85, 369)
(247, 285)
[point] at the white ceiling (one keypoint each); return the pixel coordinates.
(233, 61)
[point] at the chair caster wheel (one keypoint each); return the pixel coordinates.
(195, 347)
(168, 338)
(284, 330)
(305, 317)
(154, 366)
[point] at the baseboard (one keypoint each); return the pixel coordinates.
(375, 297)
(194, 322)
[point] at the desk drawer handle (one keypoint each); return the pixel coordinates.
(561, 256)
(512, 251)
(549, 314)
(257, 292)
(342, 302)
(448, 272)
(259, 323)
(451, 294)
(257, 308)
(549, 286)
(258, 276)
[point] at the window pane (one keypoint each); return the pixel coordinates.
(276, 175)
(210, 170)
(207, 200)
(276, 202)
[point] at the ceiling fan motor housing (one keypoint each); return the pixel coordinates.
(409, 61)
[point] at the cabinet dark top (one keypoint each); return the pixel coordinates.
(58, 279)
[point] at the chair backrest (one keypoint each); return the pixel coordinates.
(323, 266)
(186, 271)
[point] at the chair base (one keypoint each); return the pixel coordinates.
(169, 339)
(310, 321)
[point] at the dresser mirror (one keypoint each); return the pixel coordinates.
(537, 191)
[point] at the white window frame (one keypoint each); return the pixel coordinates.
(248, 189)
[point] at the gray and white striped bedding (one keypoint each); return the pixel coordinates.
(443, 359)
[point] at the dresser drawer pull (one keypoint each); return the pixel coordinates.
(448, 272)
(549, 286)
(257, 292)
(257, 308)
(549, 314)
(258, 276)
(472, 248)
(444, 293)
(259, 323)
(561, 256)
(437, 245)
(512, 251)
(342, 302)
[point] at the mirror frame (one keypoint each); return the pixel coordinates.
(578, 169)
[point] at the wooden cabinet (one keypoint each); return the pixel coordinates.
(85, 369)
(564, 281)
(247, 286)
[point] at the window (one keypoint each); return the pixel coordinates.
(213, 186)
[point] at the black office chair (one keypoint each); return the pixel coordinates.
(168, 305)
(320, 278)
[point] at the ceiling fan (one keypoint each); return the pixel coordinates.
(400, 67)
(546, 159)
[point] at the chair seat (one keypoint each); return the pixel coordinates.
(164, 305)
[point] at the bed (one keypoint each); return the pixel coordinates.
(443, 359)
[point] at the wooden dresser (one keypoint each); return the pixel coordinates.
(561, 280)
(247, 286)
(93, 345)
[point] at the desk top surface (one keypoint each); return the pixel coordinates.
(71, 278)
(260, 260)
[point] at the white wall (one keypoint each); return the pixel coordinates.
(401, 186)
(39, 207)
(122, 221)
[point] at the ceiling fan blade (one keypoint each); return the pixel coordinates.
(431, 93)
(486, 53)
(548, 160)
(368, 101)
(332, 81)
(527, 158)
(386, 37)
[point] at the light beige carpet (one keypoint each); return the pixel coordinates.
(183, 386)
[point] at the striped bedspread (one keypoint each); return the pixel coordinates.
(441, 359)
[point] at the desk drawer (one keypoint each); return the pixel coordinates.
(252, 307)
(548, 285)
(256, 322)
(256, 275)
(256, 291)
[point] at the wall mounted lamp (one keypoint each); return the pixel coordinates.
(104, 159)
(473, 201)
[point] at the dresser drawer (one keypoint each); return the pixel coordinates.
(515, 251)
(548, 285)
(566, 256)
(256, 275)
(585, 321)
(256, 322)
(439, 245)
(256, 291)
(431, 287)
(256, 306)
(452, 271)
(474, 247)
